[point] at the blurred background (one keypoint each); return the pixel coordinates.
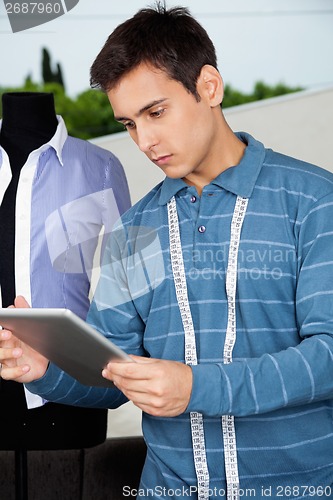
(265, 48)
(270, 40)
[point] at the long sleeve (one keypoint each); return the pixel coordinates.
(58, 387)
(114, 315)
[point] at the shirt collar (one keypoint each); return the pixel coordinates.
(56, 142)
(239, 179)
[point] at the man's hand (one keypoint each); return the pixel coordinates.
(19, 361)
(158, 387)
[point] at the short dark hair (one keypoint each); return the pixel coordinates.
(170, 40)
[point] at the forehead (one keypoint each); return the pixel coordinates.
(140, 86)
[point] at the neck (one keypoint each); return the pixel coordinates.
(28, 121)
(227, 152)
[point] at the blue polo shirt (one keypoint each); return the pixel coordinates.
(279, 386)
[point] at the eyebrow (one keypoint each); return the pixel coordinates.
(142, 110)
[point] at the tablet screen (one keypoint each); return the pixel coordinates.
(66, 340)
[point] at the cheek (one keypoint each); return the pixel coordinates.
(190, 132)
(199, 137)
(199, 123)
(188, 128)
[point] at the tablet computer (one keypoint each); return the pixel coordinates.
(66, 340)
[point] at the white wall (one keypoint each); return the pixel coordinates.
(299, 124)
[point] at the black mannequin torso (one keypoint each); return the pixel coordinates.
(28, 122)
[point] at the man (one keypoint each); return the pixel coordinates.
(218, 282)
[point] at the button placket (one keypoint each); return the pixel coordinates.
(202, 228)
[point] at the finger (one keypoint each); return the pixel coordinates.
(7, 359)
(14, 373)
(120, 368)
(127, 370)
(134, 388)
(10, 353)
(20, 302)
(129, 386)
(5, 334)
(8, 340)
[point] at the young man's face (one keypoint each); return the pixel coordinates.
(176, 132)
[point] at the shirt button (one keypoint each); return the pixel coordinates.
(201, 229)
(193, 199)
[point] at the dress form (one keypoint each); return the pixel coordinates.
(29, 121)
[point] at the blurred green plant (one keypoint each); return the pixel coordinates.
(49, 75)
(233, 97)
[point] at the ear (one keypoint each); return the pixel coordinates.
(210, 85)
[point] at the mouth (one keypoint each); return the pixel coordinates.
(161, 160)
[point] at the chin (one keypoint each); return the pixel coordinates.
(175, 173)
(174, 176)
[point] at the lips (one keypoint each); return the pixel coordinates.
(161, 160)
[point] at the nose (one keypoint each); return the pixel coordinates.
(145, 138)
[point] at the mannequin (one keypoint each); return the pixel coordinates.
(29, 121)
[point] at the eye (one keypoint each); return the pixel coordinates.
(129, 125)
(157, 114)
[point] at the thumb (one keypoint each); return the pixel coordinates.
(20, 302)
